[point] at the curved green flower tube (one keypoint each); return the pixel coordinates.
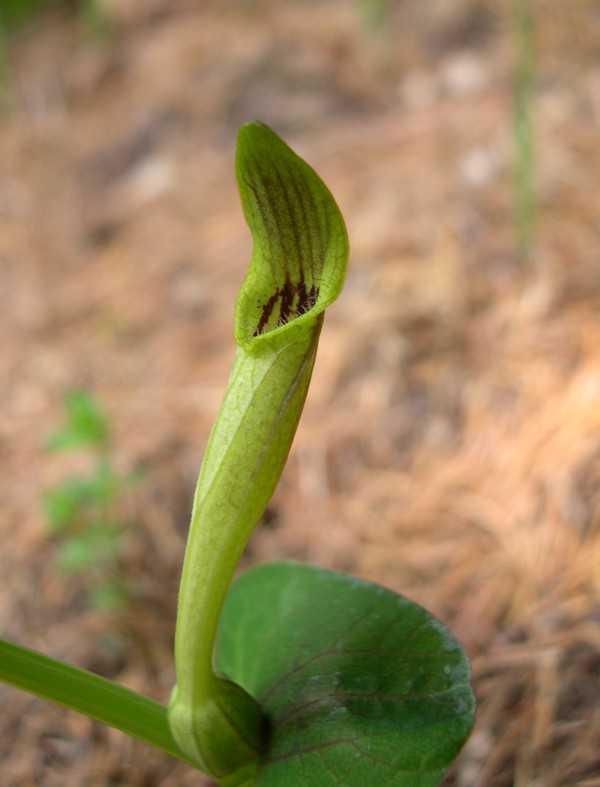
(297, 270)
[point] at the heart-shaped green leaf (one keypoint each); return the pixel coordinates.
(360, 685)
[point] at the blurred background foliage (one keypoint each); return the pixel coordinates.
(94, 15)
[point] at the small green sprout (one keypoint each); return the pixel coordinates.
(294, 676)
(84, 512)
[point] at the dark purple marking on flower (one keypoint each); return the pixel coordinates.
(293, 299)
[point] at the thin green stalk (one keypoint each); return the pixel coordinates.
(85, 692)
(523, 130)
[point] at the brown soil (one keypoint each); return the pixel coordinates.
(450, 447)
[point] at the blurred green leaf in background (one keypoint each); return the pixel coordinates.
(85, 512)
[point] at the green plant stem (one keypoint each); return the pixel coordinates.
(249, 466)
(88, 693)
(266, 388)
(524, 140)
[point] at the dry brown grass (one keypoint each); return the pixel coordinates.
(451, 444)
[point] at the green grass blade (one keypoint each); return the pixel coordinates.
(87, 693)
